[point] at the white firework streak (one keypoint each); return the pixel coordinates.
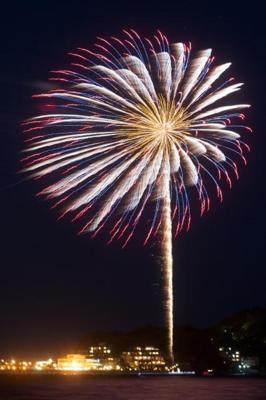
(134, 124)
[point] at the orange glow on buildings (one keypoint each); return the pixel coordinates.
(77, 362)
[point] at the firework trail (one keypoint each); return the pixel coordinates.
(134, 122)
(166, 240)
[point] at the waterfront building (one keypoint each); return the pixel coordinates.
(144, 359)
(231, 357)
(249, 365)
(103, 353)
(45, 365)
(77, 362)
(12, 365)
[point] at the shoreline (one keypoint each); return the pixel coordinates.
(103, 374)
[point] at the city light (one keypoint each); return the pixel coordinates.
(136, 360)
(95, 359)
(77, 362)
(144, 359)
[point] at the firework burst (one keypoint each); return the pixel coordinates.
(135, 121)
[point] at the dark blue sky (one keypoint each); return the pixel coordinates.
(55, 286)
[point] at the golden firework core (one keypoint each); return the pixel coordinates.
(159, 120)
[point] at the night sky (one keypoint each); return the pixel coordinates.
(56, 286)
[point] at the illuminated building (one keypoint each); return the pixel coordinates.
(230, 355)
(144, 358)
(45, 365)
(22, 366)
(104, 355)
(15, 366)
(249, 364)
(101, 352)
(77, 362)
(231, 358)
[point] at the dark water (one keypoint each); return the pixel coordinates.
(130, 388)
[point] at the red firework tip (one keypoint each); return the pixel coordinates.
(128, 239)
(103, 40)
(85, 227)
(165, 38)
(236, 171)
(202, 208)
(115, 226)
(97, 231)
(87, 51)
(218, 191)
(78, 56)
(131, 44)
(246, 145)
(49, 156)
(157, 40)
(34, 138)
(80, 66)
(188, 224)
(160, 33)
(29, 157)
(244, 159)
(30, 121)
(221, 196)
(117, 40)
(149, 42)
(58, 79)
(123, 231)
(148, 236)
(35, 128)
(102, 47)
(174, 213)
(228, 179)
(35, 96)
(114, 232)
(80, 214)
(135, 33)
(62, 215)
(111, 239)
(157, 228)
(61, 71)
(127, 33)
(177, 230)
(59, 202)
